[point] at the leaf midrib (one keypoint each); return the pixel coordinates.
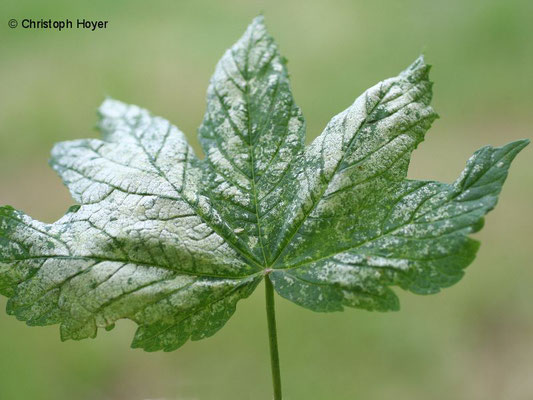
(247, 256)
(414, 218)
(326, 186)
(251, 149)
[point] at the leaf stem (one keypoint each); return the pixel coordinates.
(273, 338)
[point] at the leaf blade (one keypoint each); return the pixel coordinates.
(357, 150)
(420, 241)
(56, 283)
(173, 242)
(251, 133)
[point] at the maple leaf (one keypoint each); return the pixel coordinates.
(173, 242)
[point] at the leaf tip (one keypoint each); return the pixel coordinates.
(257, 25)
(7, 208)
(418, 70)
(111, 108)
(512, 149)
(522, 143)
(259, 19)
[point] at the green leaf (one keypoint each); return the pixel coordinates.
(173, 242)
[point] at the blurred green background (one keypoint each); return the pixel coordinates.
(473, 341)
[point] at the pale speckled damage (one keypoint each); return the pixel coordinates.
(173, 242)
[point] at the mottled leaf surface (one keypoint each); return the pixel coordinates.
(173, 242)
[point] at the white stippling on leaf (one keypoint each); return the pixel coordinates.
(173, 242)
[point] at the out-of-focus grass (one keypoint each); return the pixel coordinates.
(473, 341)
